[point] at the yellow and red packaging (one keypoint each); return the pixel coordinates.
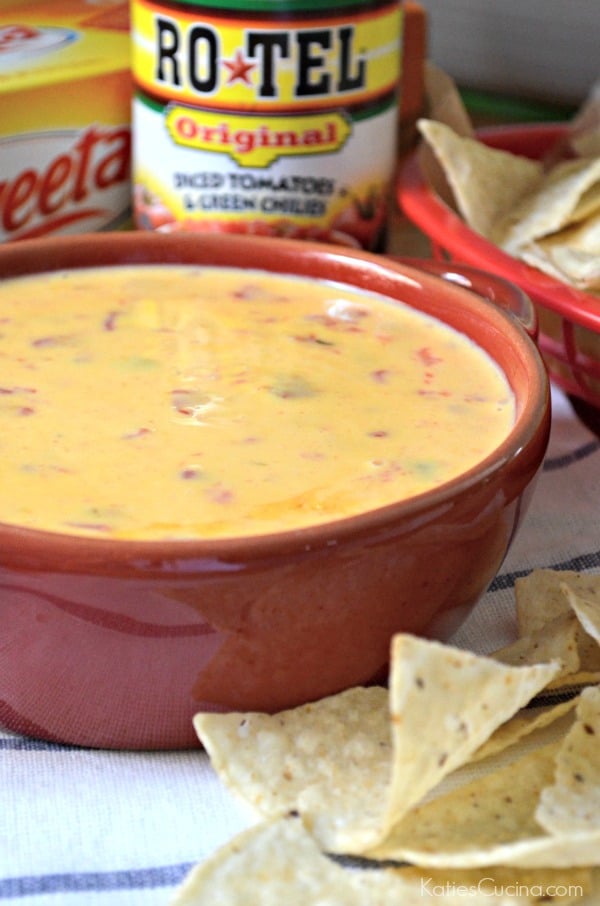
(65, 117)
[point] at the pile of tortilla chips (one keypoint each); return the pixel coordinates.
(545, 212)
(472, 778)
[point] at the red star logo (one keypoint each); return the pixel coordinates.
(239, 68)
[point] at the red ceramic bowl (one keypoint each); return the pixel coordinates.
(569, 320)
(118, 643)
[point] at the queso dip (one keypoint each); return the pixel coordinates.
(175, 401)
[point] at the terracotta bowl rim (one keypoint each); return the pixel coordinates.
(533, 414)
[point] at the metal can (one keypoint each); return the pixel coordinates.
(276, 117)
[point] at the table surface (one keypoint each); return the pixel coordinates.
(109, 827)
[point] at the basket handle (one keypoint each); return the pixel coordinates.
(500, 292)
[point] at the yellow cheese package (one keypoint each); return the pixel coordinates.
(65, 97)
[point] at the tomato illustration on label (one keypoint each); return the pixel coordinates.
(365, 216)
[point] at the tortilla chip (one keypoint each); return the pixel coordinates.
(338, 764)
(584, 130)
(588, 205)
(522, 725)
(572, 254)
(584, 600)
(557, 640)
(582, 237)
(580, 269)
(491, 821)
(586, 142)
(278, 864)
(572, 803)
(572, 683)
(443, 104)
(445, 703)
(486, 182)
(392, 776)
(551, 205)
(273, 864)
(540, 598)
(535, 255)
(544, 212)
(444, 101)
(339, 746)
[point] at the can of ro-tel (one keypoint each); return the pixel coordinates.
(275, 117)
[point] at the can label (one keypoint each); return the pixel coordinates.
(282, 123)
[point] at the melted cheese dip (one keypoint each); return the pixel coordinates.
(185, 402)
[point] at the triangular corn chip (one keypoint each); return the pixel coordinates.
(557, 640)
(572, 803)
(487, 182)
(340, 747)
(540, 598)
(491, 821)
(277, 863)
(335, 762)
(525, 723)
(584, 600)
(549, 207)
(445, 703)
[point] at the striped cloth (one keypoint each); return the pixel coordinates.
(105, 828)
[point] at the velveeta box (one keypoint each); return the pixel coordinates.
(65, 100)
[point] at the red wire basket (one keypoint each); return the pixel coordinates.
(569, 320)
